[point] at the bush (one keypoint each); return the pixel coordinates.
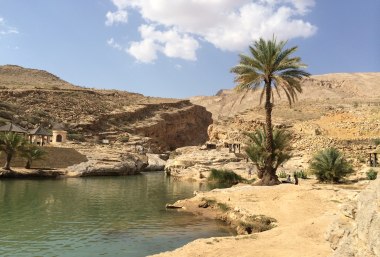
(371, 174)
(376, 141)
(124, 139)
(329, 165)
(282, 174)
(75, 137)
(225, 177)
(301, 174)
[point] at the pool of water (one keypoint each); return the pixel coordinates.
(103, 216)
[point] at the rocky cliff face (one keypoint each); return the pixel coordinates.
(357, 232)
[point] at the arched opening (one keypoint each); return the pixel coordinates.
(58, 138)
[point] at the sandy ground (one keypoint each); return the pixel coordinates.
(303, 212)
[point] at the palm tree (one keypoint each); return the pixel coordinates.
(31, 153)
(258, 155)
(11, 143)
(329, 165)
(270, 67)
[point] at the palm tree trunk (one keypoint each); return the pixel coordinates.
(7, 165)
(269, 176)
(28, 164)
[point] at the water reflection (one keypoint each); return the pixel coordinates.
(104, 216)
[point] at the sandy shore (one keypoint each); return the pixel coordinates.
(303, 215)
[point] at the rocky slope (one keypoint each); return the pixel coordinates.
(340, 110)
(29, 97)
(356, 232)
(320, 89)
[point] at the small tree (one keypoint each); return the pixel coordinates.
(11, 143)
(31, 153)
(329, 165)
(258, 153)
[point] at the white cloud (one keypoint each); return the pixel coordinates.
(175, 27)
(144, 51)
(6, 29)
(120, 16)
(111, 42)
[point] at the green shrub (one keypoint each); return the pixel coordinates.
(282, 174)
(225, 177)
(329, 165)
(124, 139)
(256, 150)
(301, 174)
(371, 174)
(376, 141)
(75, 137)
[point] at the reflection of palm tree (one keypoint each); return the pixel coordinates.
(11, 143)
(31, 153)
(270, 67)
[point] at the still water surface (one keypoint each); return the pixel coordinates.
(105, 216)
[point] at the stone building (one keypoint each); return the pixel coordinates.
(59, 134)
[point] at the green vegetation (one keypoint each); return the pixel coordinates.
(259, 155)
(329, 165)
(11, 144)
(124, 139)
(31, 153)
(301, 174)
(76, 137)
(371, 174)
(282, 174)
(269, 67)
(257, 223)
(376, 141)
(225, 177)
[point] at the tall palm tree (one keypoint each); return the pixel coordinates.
(11, 143)
(30, 153)
(270, 68)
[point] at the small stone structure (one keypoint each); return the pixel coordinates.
(39, 136)
(59, 134)
(373, 157)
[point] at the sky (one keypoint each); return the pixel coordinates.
(182, 48)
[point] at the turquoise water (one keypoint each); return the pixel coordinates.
(104, 216)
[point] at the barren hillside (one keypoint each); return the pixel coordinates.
(29, 97)
(329, 88)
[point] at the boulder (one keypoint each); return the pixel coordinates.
(155, 163)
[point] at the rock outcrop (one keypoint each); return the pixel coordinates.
(155, 162)
(356, 233)
(195, 163)
(128, 164)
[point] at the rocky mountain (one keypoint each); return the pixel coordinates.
(29, 97)
(329, 88)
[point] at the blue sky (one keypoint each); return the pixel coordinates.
(181, 48)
